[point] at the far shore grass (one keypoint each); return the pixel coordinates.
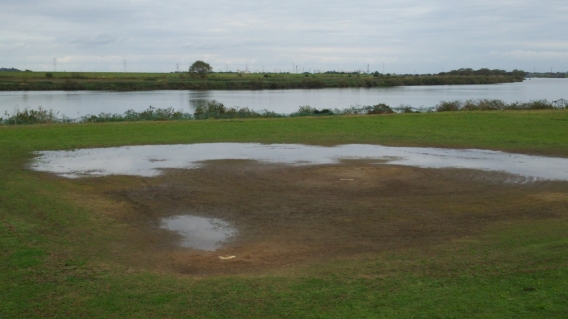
(53, 266)
(130, 81)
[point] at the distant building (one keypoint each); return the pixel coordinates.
(560, 104)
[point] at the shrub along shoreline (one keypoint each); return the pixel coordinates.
(216, 110)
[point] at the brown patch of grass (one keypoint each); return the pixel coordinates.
(551, 197)
(296, 216)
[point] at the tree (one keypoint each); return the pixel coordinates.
(200, 67)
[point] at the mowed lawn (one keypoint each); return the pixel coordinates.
(56, 262)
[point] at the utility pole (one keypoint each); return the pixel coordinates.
(124, 62)
(54, 64)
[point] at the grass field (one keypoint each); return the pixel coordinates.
(123, 81)
(63, 252)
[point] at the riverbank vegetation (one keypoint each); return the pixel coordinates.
(97, 81)
(216, 110)
(495, 105)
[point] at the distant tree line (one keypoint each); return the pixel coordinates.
(484, 72)
(557, 75)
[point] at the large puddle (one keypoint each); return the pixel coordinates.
(148, 160)
(199, 232)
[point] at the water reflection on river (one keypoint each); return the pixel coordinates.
(74, 104)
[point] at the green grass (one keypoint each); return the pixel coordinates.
(543, 132)
(50, 268)
(123, 81)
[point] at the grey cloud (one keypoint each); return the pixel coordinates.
(407, 34)
(100, 39)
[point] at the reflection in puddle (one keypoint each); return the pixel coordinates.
(199, 232)
(147, 160)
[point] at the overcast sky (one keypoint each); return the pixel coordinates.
(407, 36)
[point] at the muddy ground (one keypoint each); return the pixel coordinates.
(289, 216)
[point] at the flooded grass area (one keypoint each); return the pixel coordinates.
(305, 215)
(199, 232)
(298, 204)
(292, 229)
(149, 160)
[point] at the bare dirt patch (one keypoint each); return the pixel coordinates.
(295, 215)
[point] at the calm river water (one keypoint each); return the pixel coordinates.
(74, 104)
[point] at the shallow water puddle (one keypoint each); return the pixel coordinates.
(147, 160)
(199, 232)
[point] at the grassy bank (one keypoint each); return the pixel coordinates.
(60, 258)
(521, 131)
(39, 81)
